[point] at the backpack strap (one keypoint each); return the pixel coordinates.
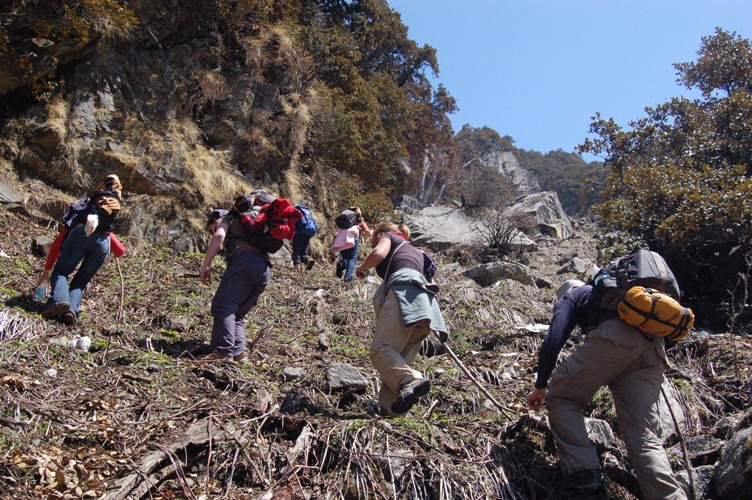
(231, 238)
(386, 273)
(389, 264)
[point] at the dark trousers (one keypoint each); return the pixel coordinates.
(300, 249)
(245, 279)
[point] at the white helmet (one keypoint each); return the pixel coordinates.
(566, 286)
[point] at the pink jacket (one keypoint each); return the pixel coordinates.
(345, 239)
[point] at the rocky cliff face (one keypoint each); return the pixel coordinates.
(184, 112)
(507, 164)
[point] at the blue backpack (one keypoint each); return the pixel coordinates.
(306, 226)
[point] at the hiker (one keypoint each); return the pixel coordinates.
(619, 356)
(344, 246)
(87, 241)
(407, 309)
(40, 291)
(305, 229)
(346, 241)
(247, 275)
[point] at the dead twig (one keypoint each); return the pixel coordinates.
(120, 317)
(178, 469)
(687, 463)
(506, 411)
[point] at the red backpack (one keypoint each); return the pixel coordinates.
(274, 224)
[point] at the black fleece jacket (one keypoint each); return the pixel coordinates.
(579, 306)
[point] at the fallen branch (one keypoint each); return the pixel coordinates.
(137, 378)
(687, 463)
(506, 411)
(120, 317)
(12, 423)
(156, 465)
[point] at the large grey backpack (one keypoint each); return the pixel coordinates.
(640, 268)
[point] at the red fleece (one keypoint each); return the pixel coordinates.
(280, 216)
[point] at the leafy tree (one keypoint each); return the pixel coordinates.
(578, 184)
(680, 176)
(472, 142)
(430, 151)
(381, 117)
(478, 185)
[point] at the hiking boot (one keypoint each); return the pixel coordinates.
(410, 393)
(582, 481)
(69, 318)
(241, 359)
(52, 311)
(341, 266)
(215, 357)
(309, 265)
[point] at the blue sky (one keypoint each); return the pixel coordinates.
(538, 70)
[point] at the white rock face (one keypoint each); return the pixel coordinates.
(546, 208)
(507, 164)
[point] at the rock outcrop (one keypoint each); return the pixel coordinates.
(441, 228)
(546, 208)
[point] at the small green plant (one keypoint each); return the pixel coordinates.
(602, 406)
(10, 293)
(683, 385)
(170, 334)
(24, 266)
(99, 344)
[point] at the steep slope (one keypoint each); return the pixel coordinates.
(136, 417)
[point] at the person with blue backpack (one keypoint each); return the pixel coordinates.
(305, 229)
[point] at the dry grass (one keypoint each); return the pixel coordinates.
(57, 117)
(210, 180)
(137, 394)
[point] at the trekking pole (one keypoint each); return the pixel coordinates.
(120, 317)
(506, 411)
(687, 463)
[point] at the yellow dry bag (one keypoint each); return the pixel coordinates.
(656, 313)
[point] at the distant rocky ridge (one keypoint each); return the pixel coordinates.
(507, 163)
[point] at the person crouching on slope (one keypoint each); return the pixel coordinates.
(630, 364)
(407, 309)
(247, 275)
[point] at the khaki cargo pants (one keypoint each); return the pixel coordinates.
(394, 348)
(632, 366)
